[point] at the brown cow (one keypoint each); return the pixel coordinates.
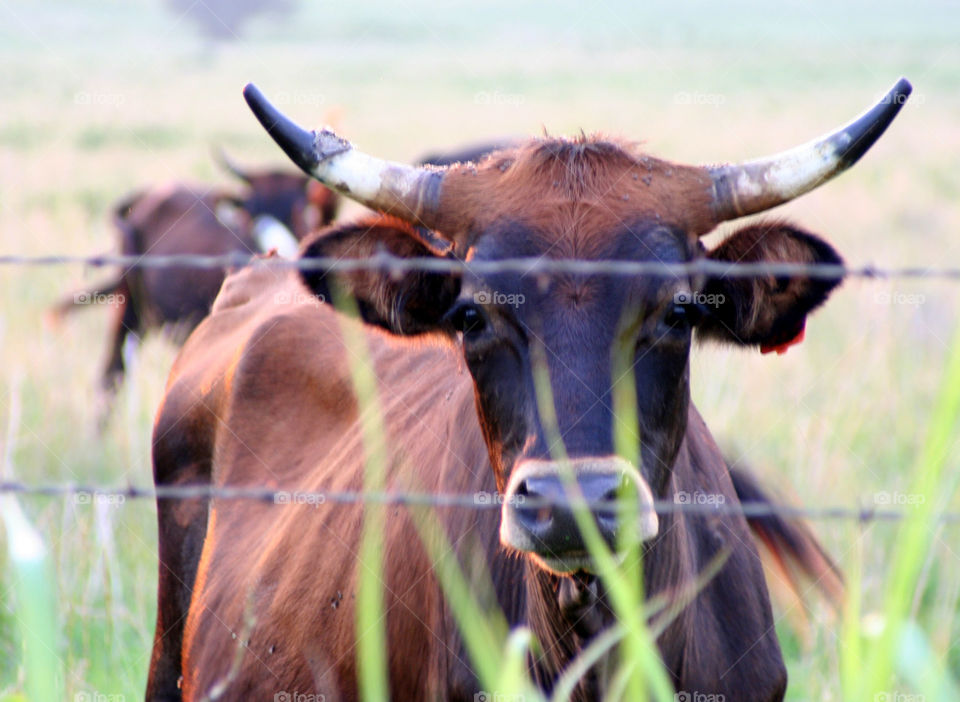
(176, 219)
(258, 601)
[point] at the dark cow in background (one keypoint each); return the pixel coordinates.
(177, 219)
(257, 601)
(298, 202)
(180, 219)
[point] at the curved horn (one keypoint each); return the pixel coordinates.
(412, 194)
(758, 185)
(220, 156)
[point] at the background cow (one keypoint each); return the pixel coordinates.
(299, 203)
(177, 219)
(462, 415)
(181, 219)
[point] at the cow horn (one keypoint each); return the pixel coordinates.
(758, 185)
(412, 194)
(228, 164)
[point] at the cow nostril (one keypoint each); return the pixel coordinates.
(613, 493)
(522, 489)
(607, 494)
(530, 504)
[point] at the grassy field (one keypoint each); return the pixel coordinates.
(98, 98)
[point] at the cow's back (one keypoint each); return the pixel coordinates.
(176, 219)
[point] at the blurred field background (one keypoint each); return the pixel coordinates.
(97, 98)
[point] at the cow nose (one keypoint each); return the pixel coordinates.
(538, 516)
(542, 507)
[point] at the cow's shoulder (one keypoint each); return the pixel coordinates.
(272, 362)
(248, 324)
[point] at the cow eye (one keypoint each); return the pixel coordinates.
(467, 319)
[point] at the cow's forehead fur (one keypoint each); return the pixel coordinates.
(577, 191)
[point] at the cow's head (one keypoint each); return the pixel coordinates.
(574, 337)
(298, 202)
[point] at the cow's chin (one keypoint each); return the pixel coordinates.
(518, 541)
(569, 564)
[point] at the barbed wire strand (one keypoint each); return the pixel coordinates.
(693, 504)
(391, 264)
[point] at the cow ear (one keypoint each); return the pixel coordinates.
(766, 311)
(413, 302)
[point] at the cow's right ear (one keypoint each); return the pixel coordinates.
(766, 311)
(413, 302)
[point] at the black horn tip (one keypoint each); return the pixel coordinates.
(296, 142)
(869, 127)
(903, 87)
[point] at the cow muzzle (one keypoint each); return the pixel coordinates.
(537, 516)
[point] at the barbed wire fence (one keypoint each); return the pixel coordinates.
(389, 263)
(687, 503)
(887, 506)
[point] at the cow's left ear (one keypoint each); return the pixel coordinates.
(767, 311)
(412, 302)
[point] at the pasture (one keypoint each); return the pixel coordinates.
(105, 97)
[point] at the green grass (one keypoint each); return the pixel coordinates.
(851, 413)
(371, 617)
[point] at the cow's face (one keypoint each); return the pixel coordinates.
(546, 353)
(549, 353)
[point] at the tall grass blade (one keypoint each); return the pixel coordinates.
(917, 531)
(371, 628)
(36, 611)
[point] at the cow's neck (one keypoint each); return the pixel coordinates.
(566, 613)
